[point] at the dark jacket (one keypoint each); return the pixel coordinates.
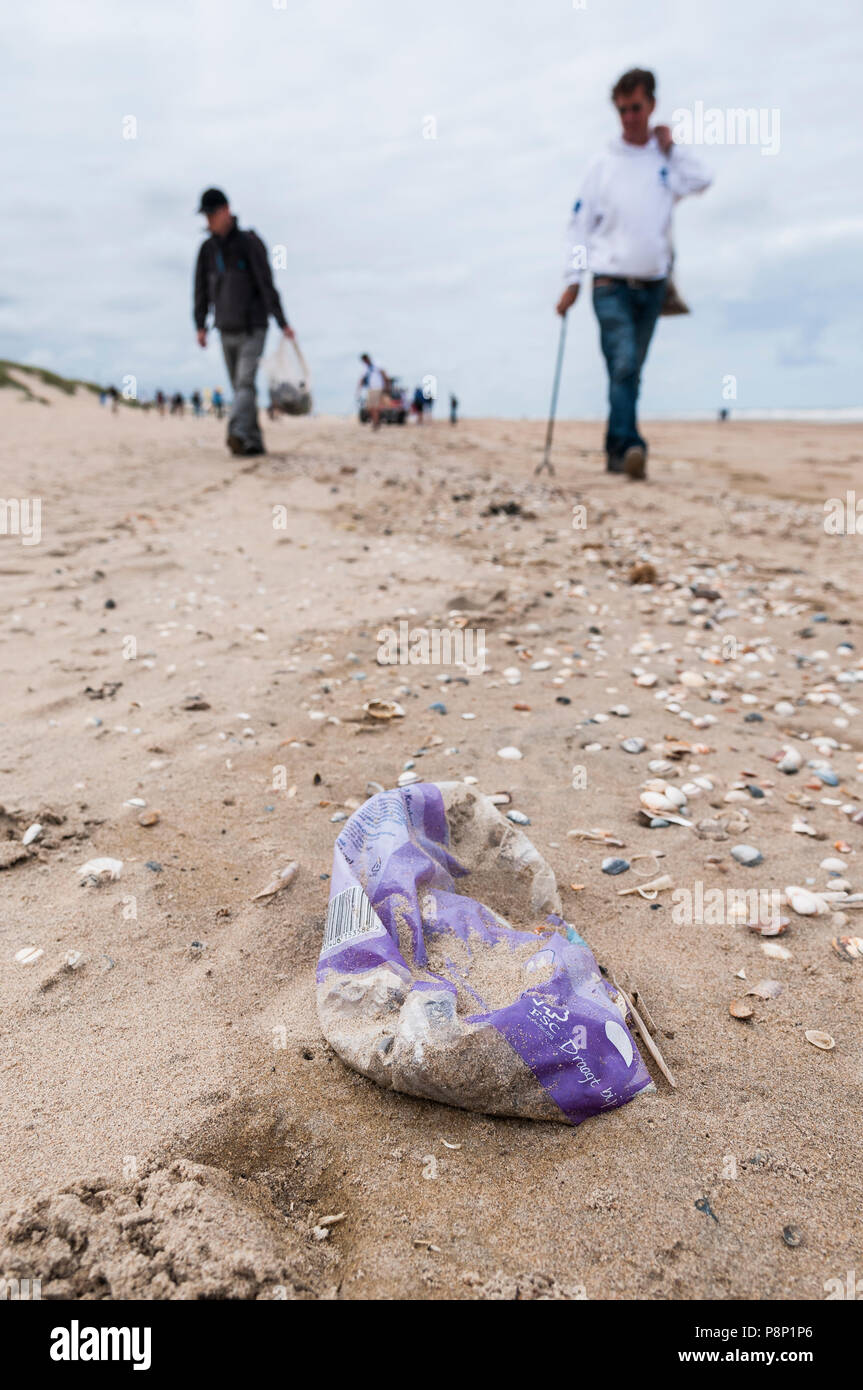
(233, 274)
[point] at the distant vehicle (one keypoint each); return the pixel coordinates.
(394, 408)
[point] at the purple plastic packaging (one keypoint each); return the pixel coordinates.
(558, 1049)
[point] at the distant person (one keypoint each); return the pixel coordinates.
(218, 403)
(453, 410)
(620, 229)
(428, 398)
(113, 397)
(374, 379)
(233, 275)
(195, 399)
(160, 402)
(178, 404)
(724, 413)
(208, 400)
(418, 404)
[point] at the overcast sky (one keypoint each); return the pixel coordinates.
(442, 255)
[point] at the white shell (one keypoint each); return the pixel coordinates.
(100, 870)
(804, 903)
(791, 760)
(509, 753)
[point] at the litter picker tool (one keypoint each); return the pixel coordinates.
(546, 457)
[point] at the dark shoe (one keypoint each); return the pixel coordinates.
(635, 462)
(236, 444)
(614, 465)
(253, 450)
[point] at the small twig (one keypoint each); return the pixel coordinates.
(648, 1040)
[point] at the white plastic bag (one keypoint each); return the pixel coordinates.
(288, 378)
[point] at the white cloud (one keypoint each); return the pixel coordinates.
(439, 255)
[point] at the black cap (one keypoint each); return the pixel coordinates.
(211, 199)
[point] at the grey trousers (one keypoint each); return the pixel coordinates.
(242, 354)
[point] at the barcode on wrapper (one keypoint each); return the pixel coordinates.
(350, 918)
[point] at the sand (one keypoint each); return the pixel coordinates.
(172, 1123)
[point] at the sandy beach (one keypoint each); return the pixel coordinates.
(172, 1122)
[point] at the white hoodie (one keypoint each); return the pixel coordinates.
(621, 222)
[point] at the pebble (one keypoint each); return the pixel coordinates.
(518, 817)
(827, 776)
(790, 761)
(633, 745)
(748, 855)
(615, 866)
(438, 707)
(509, 754)
(31, 833)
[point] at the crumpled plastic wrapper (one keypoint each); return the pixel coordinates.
(447, 971)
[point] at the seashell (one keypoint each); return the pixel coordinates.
(383, 709)
(838, 884)
(518, 817)
(805, 903)
(675, 796)
(848, 948)
(833, 866)
(711, 830)
(406, 778)
(509, 754)
(28, 955)
(31, 833)
(693, 680)
(802, 827)
(739, 1008)
(773, 926)
(647, 678)
(819, 1039)
(655, 801)
(775, 951)
(148, 818)
(283, 879)
(604, 837)
(789, 760)
(649, 890)
(100, 871)
(615, 866)
(633, 745)
(766, 989)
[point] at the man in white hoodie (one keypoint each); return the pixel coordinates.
(620, 230)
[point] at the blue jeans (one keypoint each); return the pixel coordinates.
(627, 316)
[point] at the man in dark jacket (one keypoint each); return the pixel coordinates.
(233, 276)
